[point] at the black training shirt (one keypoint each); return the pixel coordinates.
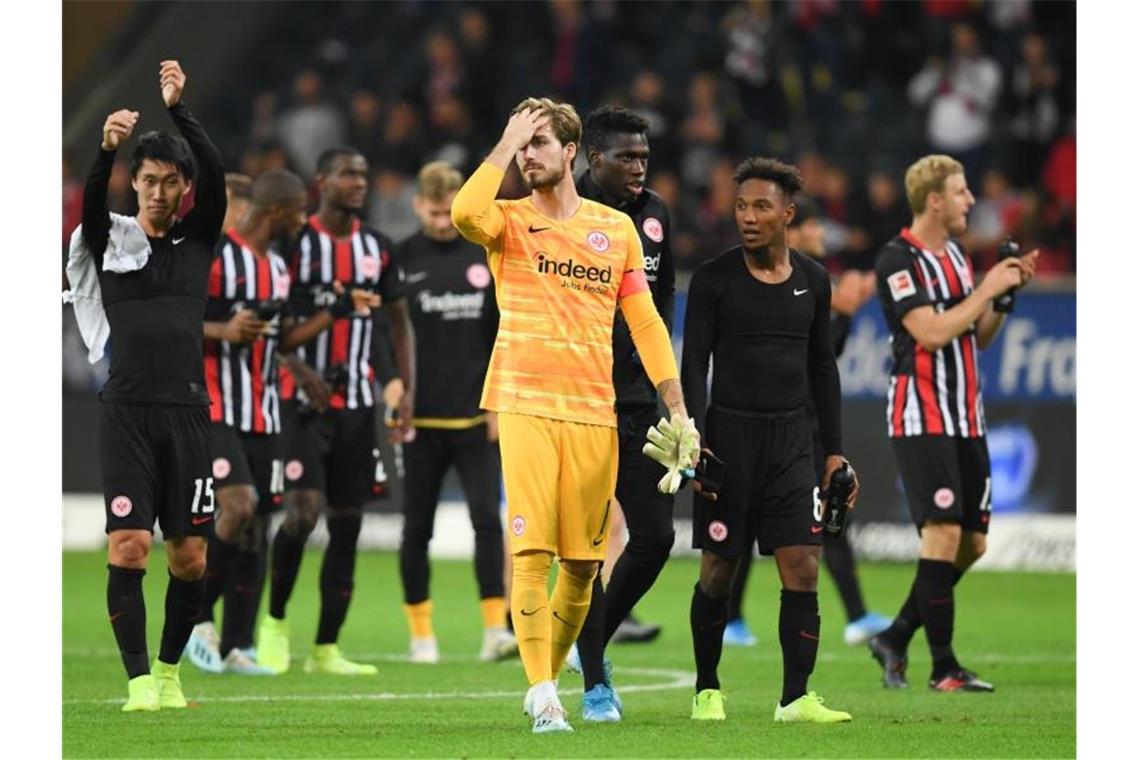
(451, 300)
(155, 313)
(771, 343)
(650, 215)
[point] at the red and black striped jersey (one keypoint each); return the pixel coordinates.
(242, 379)
(930, 392)
(361, 260)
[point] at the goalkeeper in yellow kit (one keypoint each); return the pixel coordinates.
(562, 265)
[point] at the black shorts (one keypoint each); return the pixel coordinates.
(249, 459)
(156, 466)
(770, 492)
(947, 479)
(334, 452)
(648, 512)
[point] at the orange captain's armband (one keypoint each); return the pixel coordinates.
(633, 282)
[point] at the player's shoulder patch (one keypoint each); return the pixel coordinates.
(901, 284)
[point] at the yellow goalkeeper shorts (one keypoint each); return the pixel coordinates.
(559, 478)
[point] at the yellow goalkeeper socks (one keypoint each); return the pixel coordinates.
(569, 605)
(419, 619)
(530, 609)
(494, 611)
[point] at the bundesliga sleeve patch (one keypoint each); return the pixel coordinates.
(901, 284)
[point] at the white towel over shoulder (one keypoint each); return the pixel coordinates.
(127, 251)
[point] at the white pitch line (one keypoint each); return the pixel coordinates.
(856, 655)
(681, 680)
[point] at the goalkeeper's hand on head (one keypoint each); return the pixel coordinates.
(676, 445)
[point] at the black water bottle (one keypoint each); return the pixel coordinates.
(835, 500)
(1008, 249)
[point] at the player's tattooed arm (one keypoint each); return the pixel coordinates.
(670, 393)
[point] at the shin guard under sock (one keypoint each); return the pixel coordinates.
(183, 607)
(337, 574)
(127, 609)
(799, 640)
(590, 646)
(707, 617)
(285, 563)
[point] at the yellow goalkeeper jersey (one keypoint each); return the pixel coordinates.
(557, 285)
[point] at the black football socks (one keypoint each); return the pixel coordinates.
(590, 646)
(183, 608)
(799, 640)
(934, 597)
(337, 573)
(244, 583)
(219, 554)
(908, 621)
(707, 617)
(286, 563)
(127, 610)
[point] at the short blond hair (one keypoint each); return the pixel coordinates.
(928, 175)
(437, 180)
(564, 120)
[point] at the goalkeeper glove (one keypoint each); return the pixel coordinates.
(676, 445)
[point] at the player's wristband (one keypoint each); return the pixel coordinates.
(343, 305)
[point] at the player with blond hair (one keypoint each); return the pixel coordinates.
(562, 266)
(940, 315)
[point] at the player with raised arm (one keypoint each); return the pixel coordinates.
(939, 319)
(762, 312)
(142, 281)
(562, 266)
(331, 455)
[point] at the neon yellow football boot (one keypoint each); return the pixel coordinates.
(273, 645)
(142, 694)
(169, 685)
(809, 709)
(708, 704)
(326, 658)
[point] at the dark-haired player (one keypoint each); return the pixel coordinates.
(939, 320)
(854, 288)
(762, 312)
(154, 423)
(617, 150)
(247, 323)
(331, 456)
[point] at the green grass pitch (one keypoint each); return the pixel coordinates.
(1017, 630)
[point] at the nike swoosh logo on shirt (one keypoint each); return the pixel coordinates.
(532, 228)
(176, 241)
(415, 277)
(799, 292)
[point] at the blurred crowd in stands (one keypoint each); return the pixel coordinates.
(852, 92)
